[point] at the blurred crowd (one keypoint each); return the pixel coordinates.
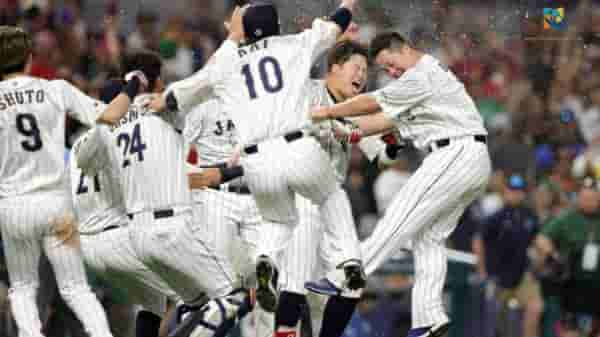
(536, 231)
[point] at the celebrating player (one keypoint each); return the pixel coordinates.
(263, 87)
(307, 255)
(106, 243)
(429, 106)
(147, 154)
(35, 206)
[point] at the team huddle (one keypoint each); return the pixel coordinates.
(260, 221)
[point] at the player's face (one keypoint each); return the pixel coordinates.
(352, 76)
(394, 62)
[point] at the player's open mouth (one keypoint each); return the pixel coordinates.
(357, 86)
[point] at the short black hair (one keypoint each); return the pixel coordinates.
(389, 40)
(15, 49)
(343, 51)
(148, 62)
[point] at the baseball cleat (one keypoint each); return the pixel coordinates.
(266, 279)
(355, 277)
(323, 287)
(438, 330)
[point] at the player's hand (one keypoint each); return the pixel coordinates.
(236, 26)
(157, 103)
(349, 4)
(351, 34)
(209, 177)
(319, 114)
(234, 160)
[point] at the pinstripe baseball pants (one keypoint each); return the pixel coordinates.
(280, 170)
(170, 248)
(426, 211)
(28, 228)
(231, 221)
(110, 254)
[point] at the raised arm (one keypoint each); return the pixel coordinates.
(118, 107)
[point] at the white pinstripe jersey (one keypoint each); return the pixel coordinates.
(212, 131)
(266, 92)
(148, 156)
(429, 103)
(210, 128)
(340, 153)
(97, 200)
(32, 132)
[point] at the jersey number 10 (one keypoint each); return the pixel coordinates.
(271, 86)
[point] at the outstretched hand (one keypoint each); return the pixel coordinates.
(209, 177)
(349, 4)
(236, 26)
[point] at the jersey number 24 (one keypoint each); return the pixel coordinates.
(132, 145)
(271, 85)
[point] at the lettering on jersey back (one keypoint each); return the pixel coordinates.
(21, 97)
(254, 47)
(132, 115)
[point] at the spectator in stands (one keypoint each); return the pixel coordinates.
(501, 246)
(573, 237)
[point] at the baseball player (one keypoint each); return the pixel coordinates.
(107, 247)
(35, 206)
(147, 153)
(263, 87)
(428, 105)
(307, 255)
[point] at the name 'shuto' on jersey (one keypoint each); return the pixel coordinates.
(32, 132)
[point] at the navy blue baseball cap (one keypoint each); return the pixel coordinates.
(260, 20)
(516, 182)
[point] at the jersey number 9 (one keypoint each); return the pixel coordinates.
(271, 85)
(27, 126)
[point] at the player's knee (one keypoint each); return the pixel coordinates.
(289, 309)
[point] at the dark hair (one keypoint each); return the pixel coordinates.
(148, 62)
(389, 40)
(15, 49)
(343, 51)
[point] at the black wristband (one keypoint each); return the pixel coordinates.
(392, 150)
(171, 102)
(342, 17)
(230, 173)
(132, 87)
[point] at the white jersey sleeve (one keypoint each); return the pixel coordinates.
(97, 198)
(77, 104)
(402, 94)
(319, 38)
(213, 133)
(90, 153)
(197, 88)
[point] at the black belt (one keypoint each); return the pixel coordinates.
(233, 189)
(110, 228)
(289, 137)
(164, 213)
(446, 141)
